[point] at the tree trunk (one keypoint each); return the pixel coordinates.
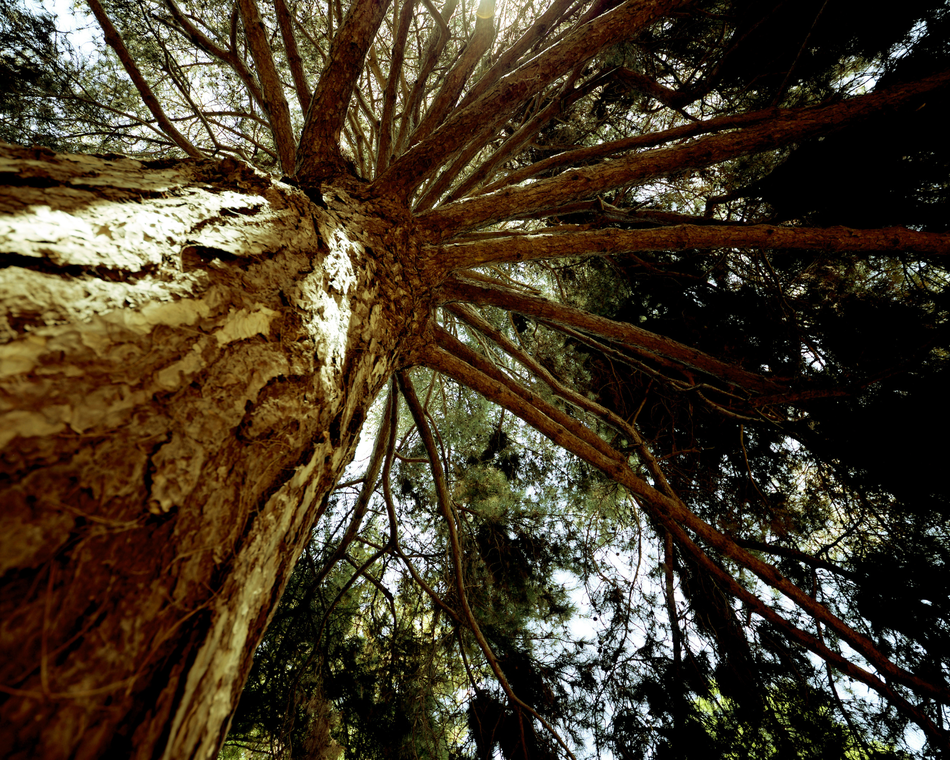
(187, 353)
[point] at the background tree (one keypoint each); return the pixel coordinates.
(695, 249)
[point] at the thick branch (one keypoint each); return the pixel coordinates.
(580, 156)
(278, 112)
(564, 97)
(531, 37)
(319, 153)
(785, 128)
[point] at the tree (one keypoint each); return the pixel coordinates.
(291, 205)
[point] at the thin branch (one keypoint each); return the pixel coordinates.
(366, 492)
(418, 415)
(433, 49)
(229, 56)
(676, 517)
(115, 41)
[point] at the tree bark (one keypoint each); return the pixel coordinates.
(187, 352)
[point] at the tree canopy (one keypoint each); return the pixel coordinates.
(664, 478)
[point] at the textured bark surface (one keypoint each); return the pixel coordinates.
(187, 351)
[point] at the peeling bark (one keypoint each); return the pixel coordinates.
(187, 352)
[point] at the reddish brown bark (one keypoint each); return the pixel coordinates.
(272, 89)
(686, 237)
(384, 147)
(319, 155)
(286, 23)
(458, 75)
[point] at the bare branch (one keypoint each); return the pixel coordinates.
(558, 104)
(433, 49)
(676, 517)
(580, 156)
(229, 56)
(115, 41)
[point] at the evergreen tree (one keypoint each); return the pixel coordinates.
(654, 298)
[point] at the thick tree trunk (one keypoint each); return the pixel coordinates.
(187, 352)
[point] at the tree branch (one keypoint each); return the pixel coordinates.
(430, 56)
(682, 237)
(673, 515)
(272, 89)
(509, 92)
(577, 184)
(385, 142)
(458, 75)
(286, 23)
(229, 56)
(319, 153)
(628, 335)
(115, 41)
(418, 415)
(558, 104)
